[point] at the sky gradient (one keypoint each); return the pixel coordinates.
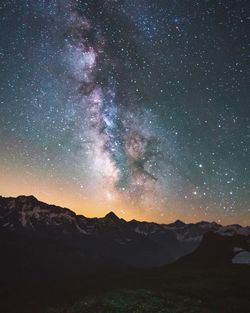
(139, 107)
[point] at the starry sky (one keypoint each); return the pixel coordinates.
(135, 106)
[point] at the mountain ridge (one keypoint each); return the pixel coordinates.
(112, 215)
(39, 236)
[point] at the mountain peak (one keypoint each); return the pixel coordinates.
(27, 198)
(111, 215)
(178, 223)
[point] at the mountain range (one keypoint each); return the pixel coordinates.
(42, 239)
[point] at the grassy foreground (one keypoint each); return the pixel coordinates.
(168, 290)
(171, 289)
(134, 301)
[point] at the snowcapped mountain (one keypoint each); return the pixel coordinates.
(40, 235)
(26, 212)
(195, 232)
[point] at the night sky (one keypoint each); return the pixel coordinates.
(135, 106)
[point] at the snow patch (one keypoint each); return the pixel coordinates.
(242, 258)
(238, 249)
(23, 218)
(80, 229)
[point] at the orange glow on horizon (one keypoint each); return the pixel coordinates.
(52, 191)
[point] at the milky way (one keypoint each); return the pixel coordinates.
(141, 107)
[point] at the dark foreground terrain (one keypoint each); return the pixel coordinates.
(174, 288)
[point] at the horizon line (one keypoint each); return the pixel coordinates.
(121, 218)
